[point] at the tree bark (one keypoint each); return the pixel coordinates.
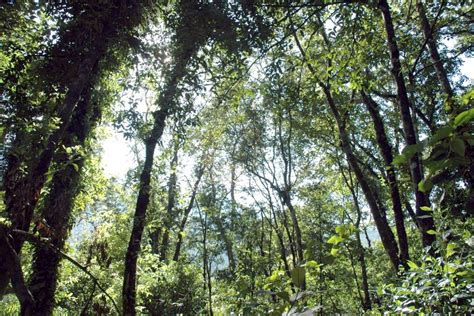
(366, 302)
(57, 209)
(285, 193)
(217, 219)
(433, 50)
(23, 192)
(11, 264)
(386, 234)
(299, 242)
(386, 151)
(143, 199)
(424, 218)
(166, 103)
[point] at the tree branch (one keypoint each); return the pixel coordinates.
(45, 242)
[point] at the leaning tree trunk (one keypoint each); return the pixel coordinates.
(385, 232)
(386, 151)
(11, 265)
(22, 192)
(425, 220)
(166, 102)
(21, 197)
(56, 212)
(433, 49)
(109, 25)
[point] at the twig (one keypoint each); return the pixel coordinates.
(44, 242)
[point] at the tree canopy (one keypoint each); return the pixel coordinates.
(289, 157)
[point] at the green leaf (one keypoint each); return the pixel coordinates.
(442, 133)
(399, 160)
(450, 250)
(284, 295)
(412, 265)
(335, 240)
(431, 232)
(457, 146)
(425, 185)
(469, 139)
(334, 251)
(298, 276)
(312, 264)
(426, 208)
(464, 117)
(411, 150)
(344, 229)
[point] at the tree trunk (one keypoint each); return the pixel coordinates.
(217, 219)
(57, 209)
(11, 264)
(143, 199)
(206, 271)
(290, 236)
(386, 151)
(23, 192)
(21, 198)
(168, 222)
(424, 218)
(385, 232)
(166, 103)
(433, 49)
(229, 248)
(182, 225)
(279, 233)
(299, 242)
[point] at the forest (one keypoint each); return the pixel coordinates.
(306, 157)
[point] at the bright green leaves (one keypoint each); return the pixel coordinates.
(450, 249)
(412, 265)
(425, 185)
(445, 150)
(289, 288)
(335, 240)
(464, 117)
(343, 232)
(298, 276)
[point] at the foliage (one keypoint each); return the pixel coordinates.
(173, 288)
(284, 177)
(441, 284)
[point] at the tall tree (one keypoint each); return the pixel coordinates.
(86, 43)
(425, 220)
